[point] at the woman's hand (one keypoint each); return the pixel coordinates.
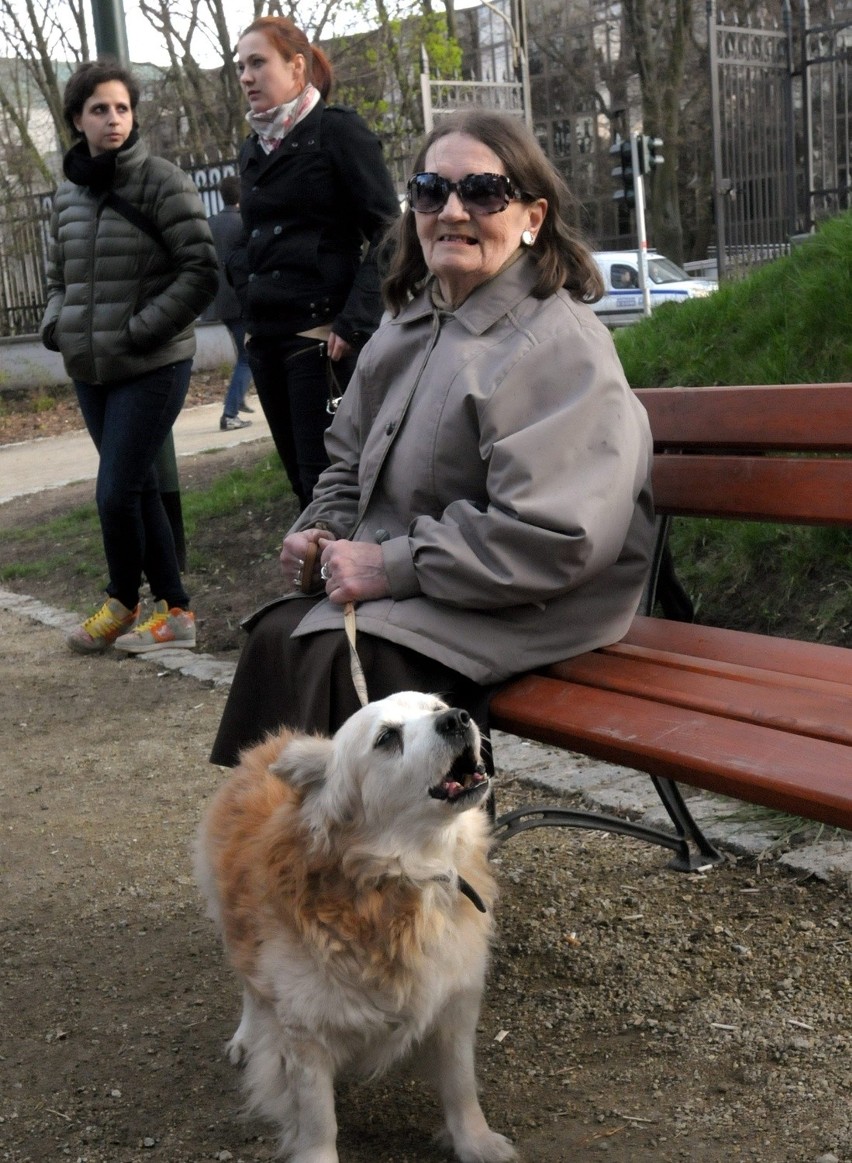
(338, 348)
(354, 572)
(293, 553)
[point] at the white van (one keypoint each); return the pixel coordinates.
(667, 283)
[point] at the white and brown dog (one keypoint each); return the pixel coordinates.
(349, 880)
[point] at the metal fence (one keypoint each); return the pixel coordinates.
(780, 99)
(24, 234)
(443, 97)
(23, 249)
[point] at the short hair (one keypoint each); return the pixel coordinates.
(561, 253)
(229, 188)
(86, 78)
(288, 39)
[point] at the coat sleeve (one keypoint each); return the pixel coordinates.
(55, 286)
(359, 162)
(568, 454)
(194, 278)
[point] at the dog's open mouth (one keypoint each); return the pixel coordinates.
(465, 778)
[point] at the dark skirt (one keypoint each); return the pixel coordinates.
(306, 683)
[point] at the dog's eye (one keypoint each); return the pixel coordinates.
(389, 737)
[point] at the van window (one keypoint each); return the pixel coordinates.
(623, 277)
(663, 270)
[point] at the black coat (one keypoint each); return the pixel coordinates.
(227, 230)
(308, 208)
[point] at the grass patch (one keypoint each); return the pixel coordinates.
(784, 323)
(240, 490)
(72, 543)
(774, 579)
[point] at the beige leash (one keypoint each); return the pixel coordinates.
(306, 585)
(354, 661)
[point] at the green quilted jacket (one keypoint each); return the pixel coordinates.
(120, 302)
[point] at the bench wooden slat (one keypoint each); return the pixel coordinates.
(807, 659)
(809, 491)
(804, 706)
(759, 718)
(797, 417)
(799, 775)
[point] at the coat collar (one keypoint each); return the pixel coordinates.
(484, 306)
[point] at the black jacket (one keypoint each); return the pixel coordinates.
(227, 230)
(119, 303)
(308, 208)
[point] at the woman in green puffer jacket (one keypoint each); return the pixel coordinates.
(131, 266)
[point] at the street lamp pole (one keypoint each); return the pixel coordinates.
(110, 30)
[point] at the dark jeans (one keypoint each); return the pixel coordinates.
(291, 377)
(241, 375)
(128, 421)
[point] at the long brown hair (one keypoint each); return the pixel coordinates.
(562, 255)
(289, 40)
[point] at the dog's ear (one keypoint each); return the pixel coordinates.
(304, 761)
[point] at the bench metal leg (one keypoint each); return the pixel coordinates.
(693, 851)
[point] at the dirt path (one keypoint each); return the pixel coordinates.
(631, 1013)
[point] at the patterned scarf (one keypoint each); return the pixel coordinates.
(273, 125)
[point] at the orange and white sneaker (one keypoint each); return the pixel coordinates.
(99, 632)
(163, 629)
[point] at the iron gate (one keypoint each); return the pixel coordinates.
(781, 130)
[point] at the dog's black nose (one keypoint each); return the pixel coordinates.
(452, 722)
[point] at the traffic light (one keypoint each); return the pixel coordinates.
(623, 173)
(650, 153)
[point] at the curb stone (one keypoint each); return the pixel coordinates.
(603, 786)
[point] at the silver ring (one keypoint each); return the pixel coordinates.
(325, 573)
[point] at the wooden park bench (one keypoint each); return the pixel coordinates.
(758, 718)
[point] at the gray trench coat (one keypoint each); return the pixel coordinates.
(501, 459)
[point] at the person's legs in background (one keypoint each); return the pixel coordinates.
(310, 387)
(128, 422)
(240, 380)
(291, 382)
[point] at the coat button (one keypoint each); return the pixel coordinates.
(277, 229)
(276, 274)
(390, 429)
(255, 233)
(252, 277)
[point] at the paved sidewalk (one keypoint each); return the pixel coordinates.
(54, 461)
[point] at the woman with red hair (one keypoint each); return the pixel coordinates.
(315, 195)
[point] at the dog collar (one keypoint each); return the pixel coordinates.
(472, 895)
(465, 888)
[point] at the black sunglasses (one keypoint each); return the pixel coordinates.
(479, 193)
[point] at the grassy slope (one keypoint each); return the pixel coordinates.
(787, 323)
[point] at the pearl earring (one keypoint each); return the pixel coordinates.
(527, 238)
